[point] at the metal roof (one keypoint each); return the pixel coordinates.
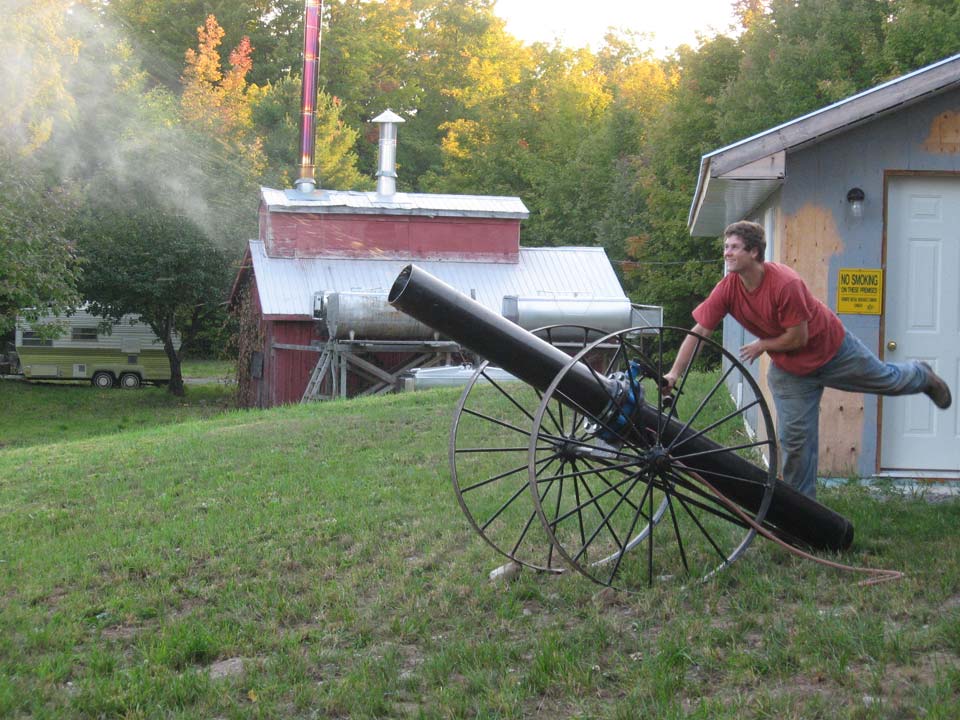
(369, 203)
(735, 179)
(287, 285)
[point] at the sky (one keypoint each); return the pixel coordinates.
(577, 23)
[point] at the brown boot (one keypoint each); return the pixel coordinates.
(936, 389)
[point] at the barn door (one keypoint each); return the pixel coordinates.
(922, 320)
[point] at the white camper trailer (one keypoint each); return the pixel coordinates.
(127, 353)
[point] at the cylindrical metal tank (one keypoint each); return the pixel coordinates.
(368, 316)
(450, 376)
(605, 314)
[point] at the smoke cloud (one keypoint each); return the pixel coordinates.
(76, 97)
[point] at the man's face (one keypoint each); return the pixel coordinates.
(735, 257)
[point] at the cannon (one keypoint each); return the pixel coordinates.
(590, 457)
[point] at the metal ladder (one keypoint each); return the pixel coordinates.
(312, 390)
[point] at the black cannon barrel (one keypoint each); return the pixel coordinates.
(798, 518)
(535, 361)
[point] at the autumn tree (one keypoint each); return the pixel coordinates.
(162, 29)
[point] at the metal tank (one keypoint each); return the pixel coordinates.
(450, 376)
(368, 316)
(607, 314)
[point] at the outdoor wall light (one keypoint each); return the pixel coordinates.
(856, 197)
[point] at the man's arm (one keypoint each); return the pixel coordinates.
(685, 355)
(793, 338)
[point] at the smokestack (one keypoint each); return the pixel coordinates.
(307, 181)
(387, 164)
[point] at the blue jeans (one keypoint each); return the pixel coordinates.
(797, 398)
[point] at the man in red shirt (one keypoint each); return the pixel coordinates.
(808, 346)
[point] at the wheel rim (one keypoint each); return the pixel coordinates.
(102, 380)
(129, 381)
(489, 441)
(658, 466)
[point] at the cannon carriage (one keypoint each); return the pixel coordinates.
(590, 464)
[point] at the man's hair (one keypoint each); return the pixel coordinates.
(752, 234)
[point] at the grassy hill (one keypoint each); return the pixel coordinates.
(310, 561)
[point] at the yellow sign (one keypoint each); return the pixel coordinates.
(860, 291)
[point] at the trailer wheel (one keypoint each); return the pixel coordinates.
(102, 380)
(130, 381)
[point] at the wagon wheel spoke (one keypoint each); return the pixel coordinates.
(492, 428)
(651, 463)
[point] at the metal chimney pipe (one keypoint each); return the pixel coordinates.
(307, 181)
(387, 163)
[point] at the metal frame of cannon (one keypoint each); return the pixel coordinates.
(590, 463)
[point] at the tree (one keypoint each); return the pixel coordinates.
(801, 56)
(163, 28)
(669, 267)
(38, 266)
(38, 269)
(147, 260)
(921, 32)
(275, 113)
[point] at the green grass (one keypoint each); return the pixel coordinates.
(220, 369)
(317, 553)
(44, 413)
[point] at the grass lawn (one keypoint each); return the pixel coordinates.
(310, 562)
(219, 369)
(44, 413)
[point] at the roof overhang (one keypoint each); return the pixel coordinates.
(735, 179)
(725, 198)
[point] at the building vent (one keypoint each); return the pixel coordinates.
(387, 163)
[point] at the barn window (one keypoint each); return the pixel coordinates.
(83, 333)
(32, 339)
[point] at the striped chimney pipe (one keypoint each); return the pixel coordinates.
(307, 181)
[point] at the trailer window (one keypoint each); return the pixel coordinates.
(31, 339)
(83, 333)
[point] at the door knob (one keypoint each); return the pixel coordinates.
(892, 345)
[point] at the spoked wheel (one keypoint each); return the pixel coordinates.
(708, 461)
(489, 441)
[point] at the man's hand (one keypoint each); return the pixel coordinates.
(669, 381)
(750, 352)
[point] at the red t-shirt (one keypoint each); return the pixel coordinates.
(782, 301)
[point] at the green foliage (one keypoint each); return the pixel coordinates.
(921, 32)
(38, 267)
(147, 260)
(274, 110)
(671, 269)
(800, 57)
(163, 30)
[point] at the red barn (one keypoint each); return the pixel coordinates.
(311, 292)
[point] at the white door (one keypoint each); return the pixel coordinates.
(922, 320)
